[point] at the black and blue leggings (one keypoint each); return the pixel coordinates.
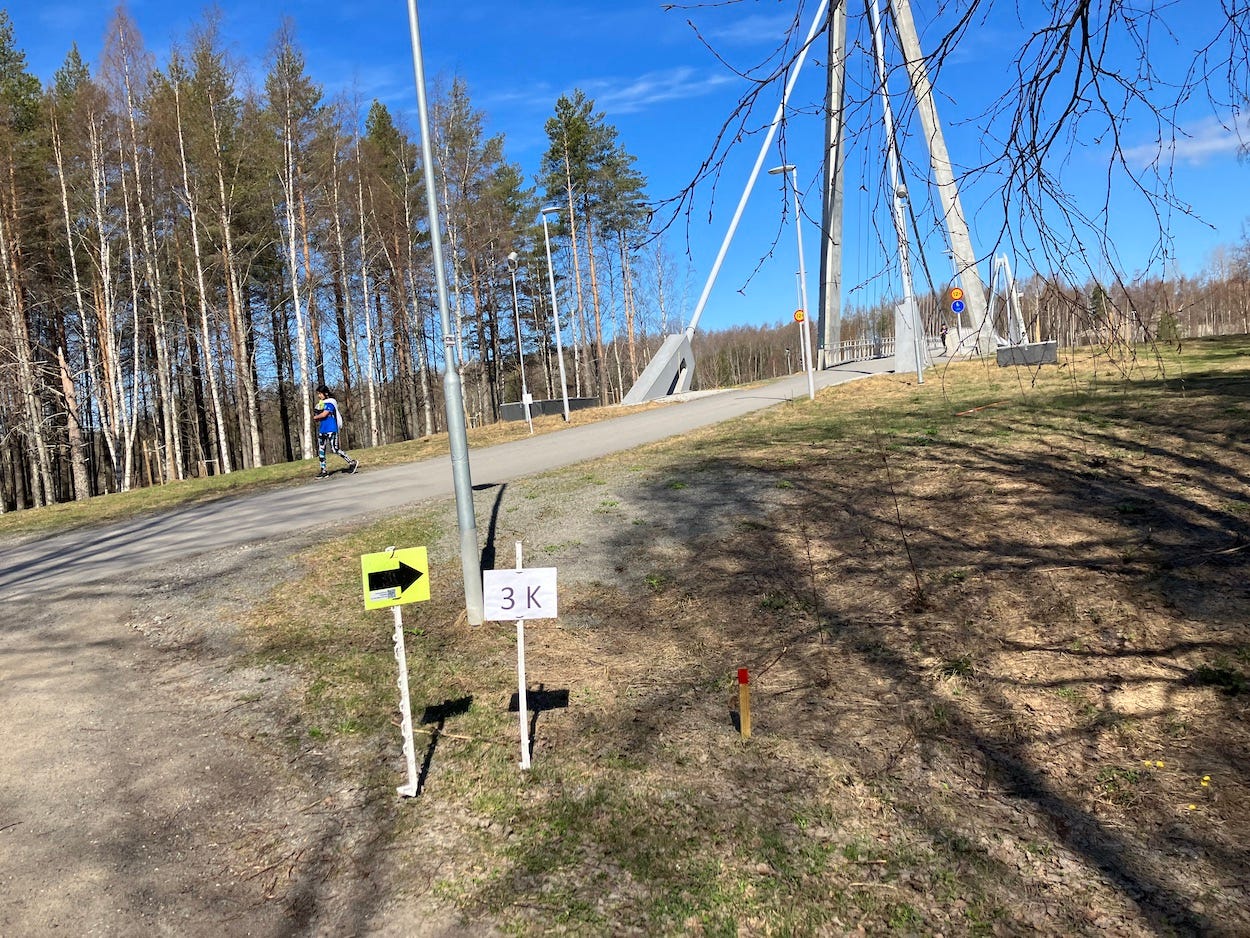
(329, 441)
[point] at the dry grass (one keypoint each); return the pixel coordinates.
(997, 634)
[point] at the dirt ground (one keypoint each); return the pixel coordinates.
(144, 788)
(1031, 652)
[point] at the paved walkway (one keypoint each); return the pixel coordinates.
(78, 558)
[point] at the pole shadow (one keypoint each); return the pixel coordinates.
(488, 549)
(538, 700)
(438, 715)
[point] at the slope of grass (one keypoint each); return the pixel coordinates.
(997, 636)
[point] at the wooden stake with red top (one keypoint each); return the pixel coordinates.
(744, 703)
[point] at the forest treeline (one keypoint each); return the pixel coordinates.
(182, 260)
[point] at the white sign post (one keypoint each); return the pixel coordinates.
(394, 578)
(520, 594)
(405, 704)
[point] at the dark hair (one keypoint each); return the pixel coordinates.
(322, 389)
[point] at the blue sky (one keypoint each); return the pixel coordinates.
(668, 95)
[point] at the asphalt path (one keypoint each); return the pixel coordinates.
(76, 559)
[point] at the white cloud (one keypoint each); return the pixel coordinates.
(614, 97)
(677, 84)
(753, 29)
(1194, 145)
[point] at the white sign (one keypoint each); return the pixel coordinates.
(519, 594)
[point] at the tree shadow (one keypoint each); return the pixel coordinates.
(1128, 535)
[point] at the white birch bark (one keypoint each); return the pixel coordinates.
(132, 266)
(172, 461)
(80, 305)
(290, 193)
(243, 370)
(223, 443)
(374, 435)
(349, 312)
(41, 478)
(113, 417)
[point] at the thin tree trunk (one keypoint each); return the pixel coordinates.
(423, 358)
(249, 419)
(41, 471)
(223, 443)
(627, 291)
(289, 192)
(113, 416)
(374, 436)
(132, 266)
(78, 464)
(164, 367)
(310, 287)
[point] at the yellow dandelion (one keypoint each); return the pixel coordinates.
(1206, 781)
(1193, 807)
(1158, 763)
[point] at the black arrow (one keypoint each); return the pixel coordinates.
(403, 577)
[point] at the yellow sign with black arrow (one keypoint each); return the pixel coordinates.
(395, 577)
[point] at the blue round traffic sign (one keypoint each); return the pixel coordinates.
(957, 306)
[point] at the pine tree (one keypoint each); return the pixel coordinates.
(592, 174)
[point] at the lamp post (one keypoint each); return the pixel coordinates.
(453, 389)
(520, 354)
(555, 311)
(804, 323)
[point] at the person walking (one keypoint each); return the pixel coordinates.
(329, 423)
(944, 334)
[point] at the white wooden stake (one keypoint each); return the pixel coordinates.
(405, 704)
(522, 703)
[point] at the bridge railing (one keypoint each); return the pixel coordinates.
(858, 350)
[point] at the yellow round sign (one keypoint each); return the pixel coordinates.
(957, 293)
(798, 315)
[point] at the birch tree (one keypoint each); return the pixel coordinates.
(69, 105)
(192, 195)
(293, 102)
(218, 106)
(19, 101)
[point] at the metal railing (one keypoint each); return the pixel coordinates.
(858, 350)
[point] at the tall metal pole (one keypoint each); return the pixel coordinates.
(555, 312)
(520, 353)
(898, 195)
(807, 310)
(470, 560)
(755, 170)
(829, 324)
(943, 174)
(805, 323)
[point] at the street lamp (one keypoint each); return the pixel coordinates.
(804, 324)
(555, 311)
(453, 388)
(520, 355)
